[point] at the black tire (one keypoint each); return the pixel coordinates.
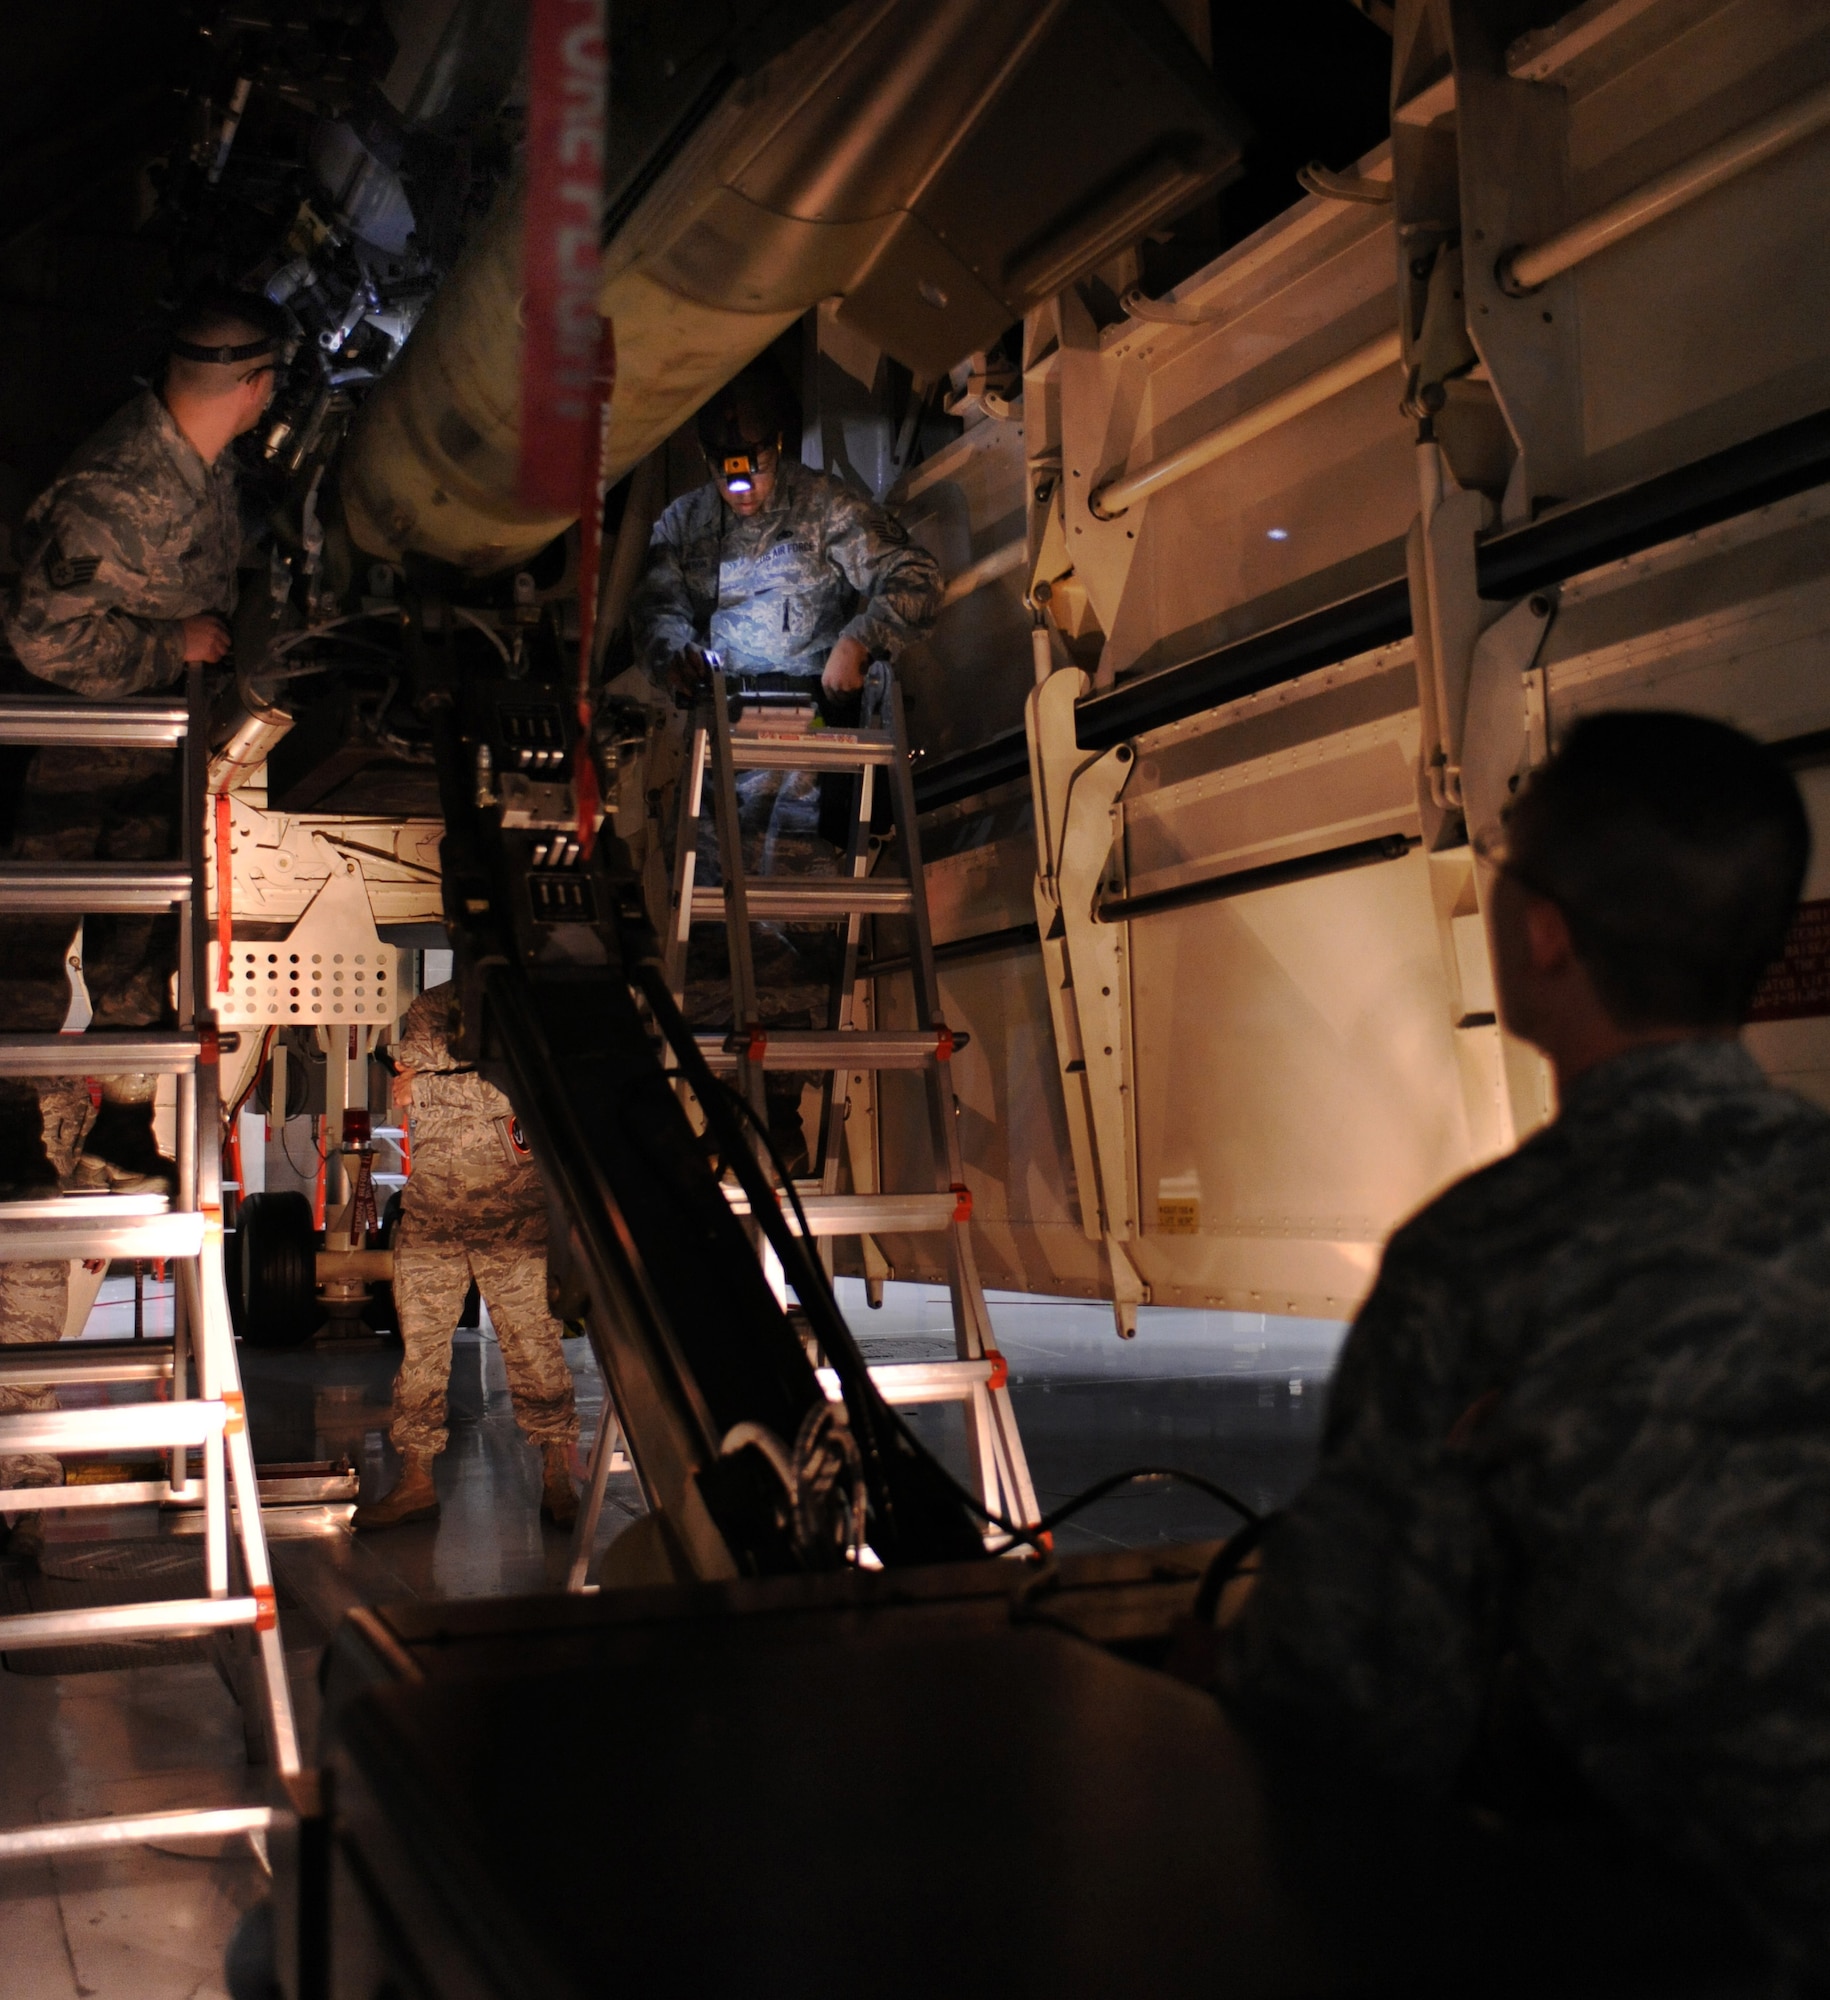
(274, 1280)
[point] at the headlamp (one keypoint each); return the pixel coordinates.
(739, 472)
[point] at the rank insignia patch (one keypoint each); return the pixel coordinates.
(69, 572)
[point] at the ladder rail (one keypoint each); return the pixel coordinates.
(734, 889)
(977, 1378)
(209, 1416)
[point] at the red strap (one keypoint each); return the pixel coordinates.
(225, 925)
(560, 267)
(962, 1202)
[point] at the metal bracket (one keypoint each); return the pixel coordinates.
(1505, 733)
(81, 1010)
(1448, 615)
(1087, 968)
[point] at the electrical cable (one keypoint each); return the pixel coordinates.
(254, 1080)
(1227, 1563)
(1034, 1537)
(801, 1268)
(1101, 1487)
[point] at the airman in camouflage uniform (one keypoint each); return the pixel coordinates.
(134, 536)
(1572, 1514)
(780, 570)
(128, 565)
(474, 1208)
(774, 593)
(34, 1298)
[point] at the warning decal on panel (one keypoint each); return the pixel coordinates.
(1178, 1205)
(1797, 983)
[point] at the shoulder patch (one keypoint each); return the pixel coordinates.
(68, 572)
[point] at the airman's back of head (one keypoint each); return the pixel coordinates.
(1676, 848)
(220, 337)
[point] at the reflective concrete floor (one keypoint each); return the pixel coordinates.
(1235, 1398)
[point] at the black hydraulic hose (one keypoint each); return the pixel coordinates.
(872, 1419)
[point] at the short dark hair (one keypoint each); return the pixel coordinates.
(1675, 848)
(221, 329)
(754, 409)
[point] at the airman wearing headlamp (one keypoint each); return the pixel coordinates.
(773, 566)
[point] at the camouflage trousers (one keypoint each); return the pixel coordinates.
(34, 1298)
(432, 1273)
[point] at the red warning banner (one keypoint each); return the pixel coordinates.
(560, 391)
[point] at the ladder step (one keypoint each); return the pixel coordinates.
(111, 1493)
(818, 750)
(87, 1361)
(821, 898)
(91, 888)
(82, 1836)
(176, 1618)
(905, 1383)
(849, 1048)
(101, 1054)
(121, 1427)
(114, 724)
(866, 1214)
(113, 1226)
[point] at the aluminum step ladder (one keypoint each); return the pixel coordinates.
(780, 730)
(200, 1408)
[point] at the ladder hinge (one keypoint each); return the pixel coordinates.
(962, 1205)
(266, 1606)
(237, 1420)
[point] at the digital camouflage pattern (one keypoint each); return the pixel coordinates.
(135, 535)
(1578, 1451)
(775, 593)
(470, 1211)
(431, 1279)
(52, 1112)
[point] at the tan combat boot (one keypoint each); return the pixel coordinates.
(412, 1498)
(557, 1500)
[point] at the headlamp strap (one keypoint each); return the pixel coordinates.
(249, 350)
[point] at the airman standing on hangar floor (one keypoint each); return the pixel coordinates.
(128, 564)
(474, 1208)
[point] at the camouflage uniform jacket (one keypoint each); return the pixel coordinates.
(1581, 1432)
(775, 593)
(467, 1186)
(135, 535)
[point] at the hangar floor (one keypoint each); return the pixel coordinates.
(1237, 1398)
